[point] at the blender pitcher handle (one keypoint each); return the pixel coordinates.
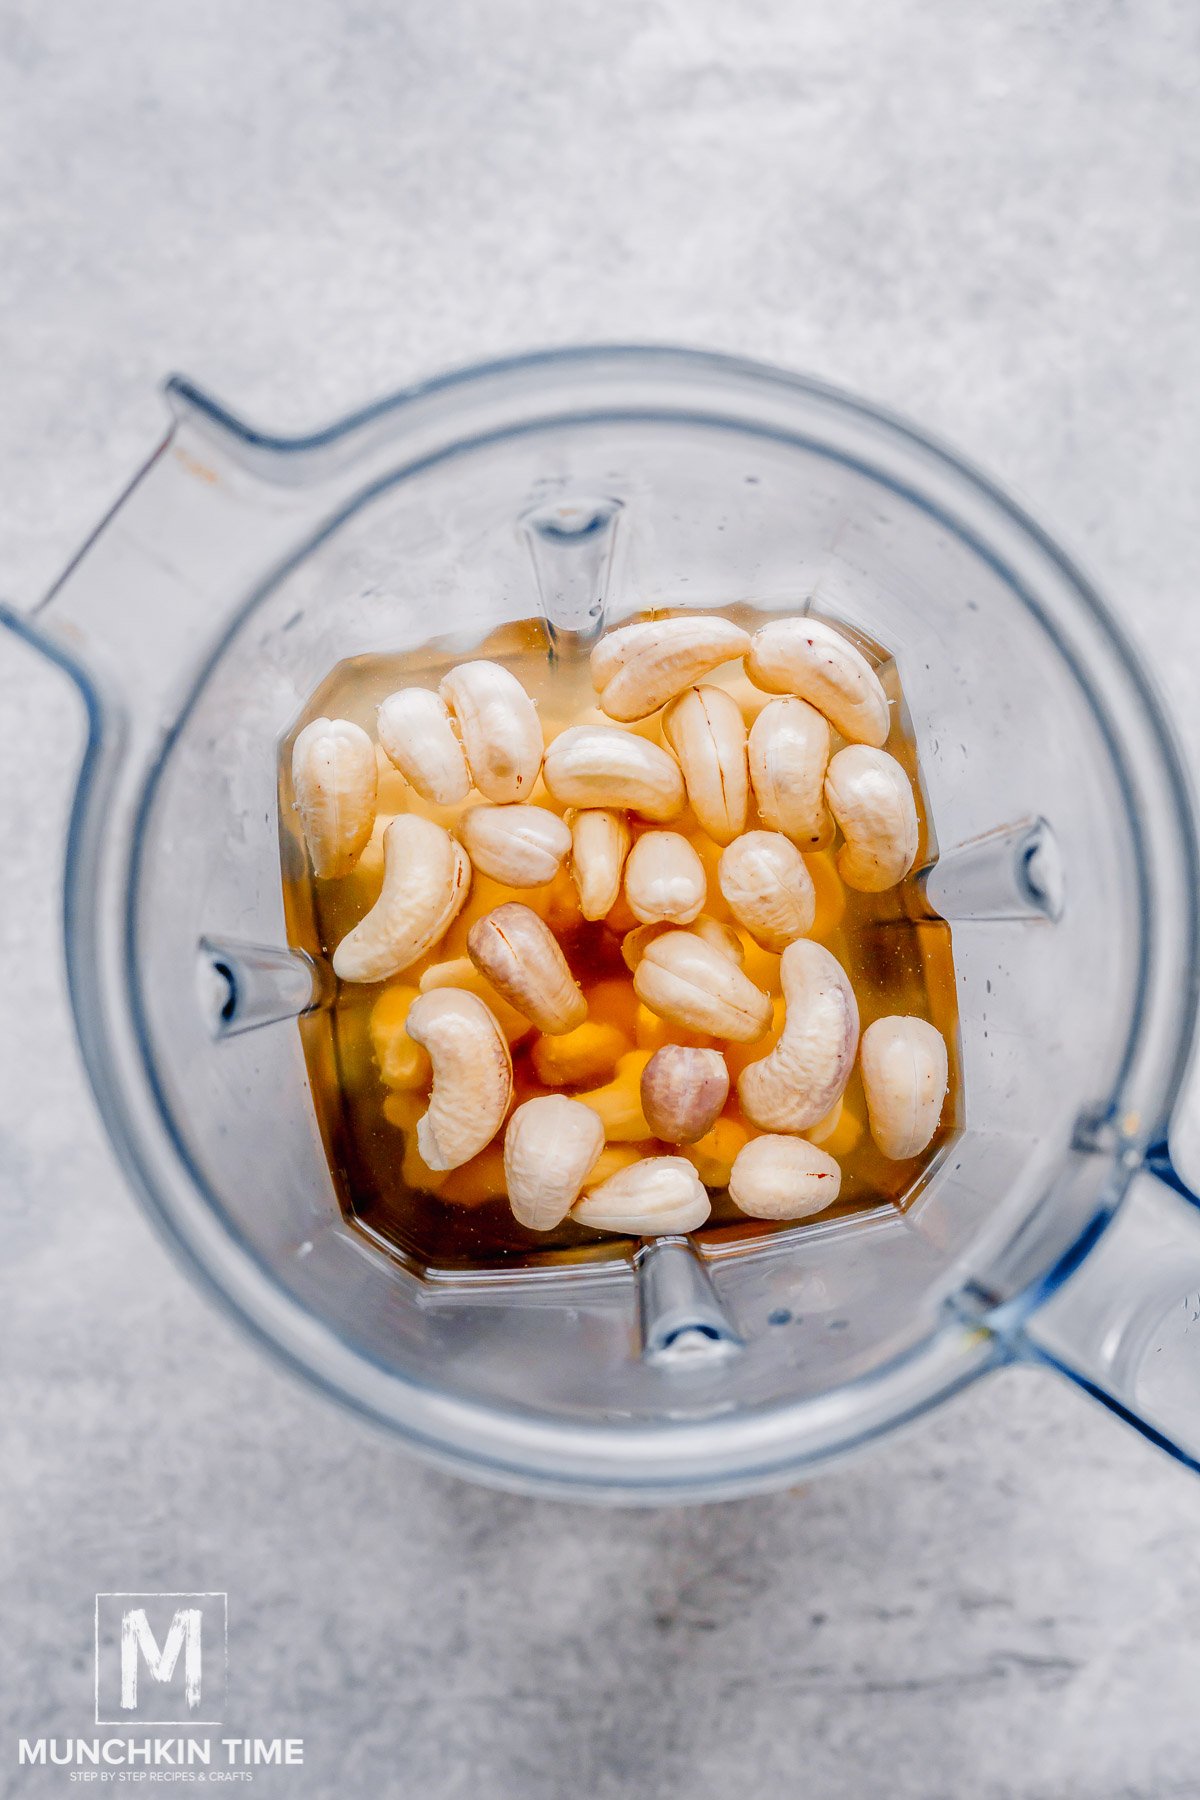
(1124, 1324)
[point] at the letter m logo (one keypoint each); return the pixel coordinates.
(160, 1658)
(137, 1641)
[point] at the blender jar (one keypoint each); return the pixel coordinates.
(238, 569)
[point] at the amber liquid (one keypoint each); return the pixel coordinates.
(898, 957)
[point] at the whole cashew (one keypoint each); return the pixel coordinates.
(664, 879)
(522, 846)
(659, 1194)
(905, 1071)
(783, 1178)
(599, 845)
(705, 729)
(640, 667)
(768, 888)
(798, 1081)
(500, 729)
(334, 780)
(519, 955)
(602, 766)
(871, 798)
(472, 1075)
(811, 659)
(722, 937)
(683, 1091)
(418, 739)
(551, 1146)
(789, 754)
(690, 982)
(460, 972)
(426, 879)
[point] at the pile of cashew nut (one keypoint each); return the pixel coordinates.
(712, 852)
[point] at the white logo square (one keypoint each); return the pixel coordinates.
(161, 1659)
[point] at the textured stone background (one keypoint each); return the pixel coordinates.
(985, 216)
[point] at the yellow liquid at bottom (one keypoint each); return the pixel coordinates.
(898, 958)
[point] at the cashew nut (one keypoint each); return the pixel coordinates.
(416, 734)
(871, 798)
(500, 729)
(789, 754)
(519, 955)
(664, 879)
(426, 879)
(798, 1081)
(905, 1073)
(690, 982)
(522, 846)
(551, 1146)
(811, 659)
(783, 1178)
(660, 1194)
(334, 780)
(633, 943)
(721, 936)
(640, 667)
(705, 729)
(683, 1091)
(460, 972)
(603, 766)
(768, 888)
(472, 1075)
(599, 846)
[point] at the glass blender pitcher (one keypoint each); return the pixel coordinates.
(239, 568)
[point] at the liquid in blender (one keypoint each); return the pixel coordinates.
(362, 1067)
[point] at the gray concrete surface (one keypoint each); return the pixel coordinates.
(987, 217)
